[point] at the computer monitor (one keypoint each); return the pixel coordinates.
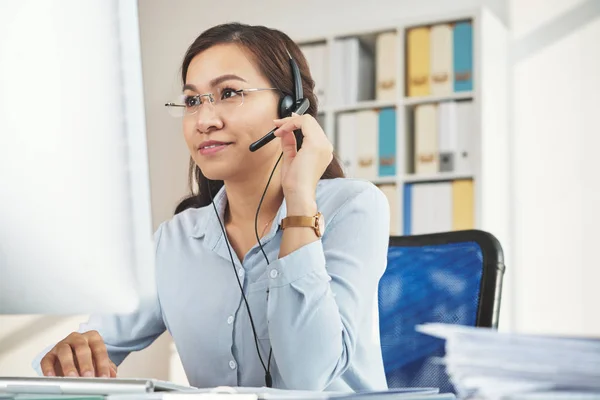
(76, 232)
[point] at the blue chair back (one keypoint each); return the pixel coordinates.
(451, 277)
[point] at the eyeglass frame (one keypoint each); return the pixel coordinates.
(212, 101)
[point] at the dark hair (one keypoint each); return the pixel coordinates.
(269, 49)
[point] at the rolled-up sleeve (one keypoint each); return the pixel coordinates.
(319, 293)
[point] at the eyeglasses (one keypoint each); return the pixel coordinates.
(225, 99)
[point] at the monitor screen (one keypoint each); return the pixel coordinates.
(75, 217)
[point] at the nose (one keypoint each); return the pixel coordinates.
(207, 118)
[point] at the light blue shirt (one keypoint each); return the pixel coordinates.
(317, 307)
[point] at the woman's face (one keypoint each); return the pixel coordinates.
(228, 126)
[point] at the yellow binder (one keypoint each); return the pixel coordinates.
(418, 54)
(463, 205)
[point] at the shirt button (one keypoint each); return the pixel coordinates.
(232, 364)
(273, 273)
(241, 272)
(230, 320)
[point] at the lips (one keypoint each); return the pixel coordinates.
(212, 146)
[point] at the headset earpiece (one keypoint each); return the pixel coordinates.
(286, 106)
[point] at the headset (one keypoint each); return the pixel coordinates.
(287, 105)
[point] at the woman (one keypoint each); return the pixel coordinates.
(308, 316)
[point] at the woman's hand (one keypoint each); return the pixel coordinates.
(79, 354)
(302, 169)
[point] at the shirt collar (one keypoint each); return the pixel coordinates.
(208, 225)
(208, 220)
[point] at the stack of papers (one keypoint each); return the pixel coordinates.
(484, 363)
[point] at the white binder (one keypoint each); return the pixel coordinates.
(367, 122)
(316, 58)
(466, 136)
(431, 208)
(441, 215)
(386, 66)
(391, 192)
(441, 57)
(447, 136)
(419, 213)
(360, 85)
(319, 58)
(346, 141)
(426, 139)
(339, 77)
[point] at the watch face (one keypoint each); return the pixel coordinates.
(321, 223)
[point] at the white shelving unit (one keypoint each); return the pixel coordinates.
(413, 101)
(489, 97)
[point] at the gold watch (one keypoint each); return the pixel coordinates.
(316, 222)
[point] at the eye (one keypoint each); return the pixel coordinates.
(228, 93)
(191, 101)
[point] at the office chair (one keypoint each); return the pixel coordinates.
(451, 277)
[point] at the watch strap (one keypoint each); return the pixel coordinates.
(298, 221)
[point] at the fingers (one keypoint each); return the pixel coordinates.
(290, 124)
(311, 130)
(79, 355)
(47, 364)
(113, 370)
(66, 360)
(83, 356)
(288, 143)
(57, 368)
(100, 355)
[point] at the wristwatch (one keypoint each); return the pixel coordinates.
(316, 222)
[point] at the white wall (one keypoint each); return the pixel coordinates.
(556, 137)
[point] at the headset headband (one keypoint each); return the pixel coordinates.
(298, 91)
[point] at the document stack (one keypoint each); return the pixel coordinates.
(483, 363)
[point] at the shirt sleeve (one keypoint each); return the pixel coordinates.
(122, 334)
(319, 293)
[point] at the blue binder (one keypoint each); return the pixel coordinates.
(407, 208)
(463, 57)
(387, 142)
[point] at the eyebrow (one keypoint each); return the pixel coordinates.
(215, 81)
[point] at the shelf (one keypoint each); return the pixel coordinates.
(363, 105)
(487, 133)
(384, 180)
(438, 177)
(411, 101)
